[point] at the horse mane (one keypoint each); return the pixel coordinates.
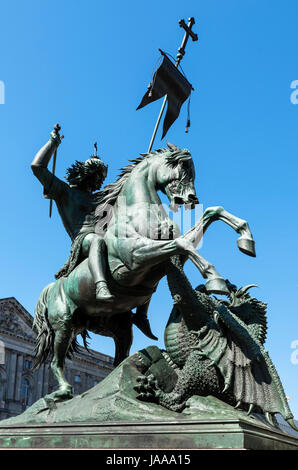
(108, 196)
(110, 193)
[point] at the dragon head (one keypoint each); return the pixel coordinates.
(248, 309)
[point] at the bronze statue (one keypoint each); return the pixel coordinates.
(123, 244)
(136, 257)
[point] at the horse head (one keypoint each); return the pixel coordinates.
(175, 176)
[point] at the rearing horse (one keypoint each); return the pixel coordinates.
(137, 254)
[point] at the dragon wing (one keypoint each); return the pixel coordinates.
(245, 366)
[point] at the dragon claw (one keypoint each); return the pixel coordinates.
(147, 388)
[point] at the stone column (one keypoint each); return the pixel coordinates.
(11, 378)
(20, 364)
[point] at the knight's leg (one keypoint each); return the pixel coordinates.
(61, 344)
(97, 266)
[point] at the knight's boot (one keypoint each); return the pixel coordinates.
(142, 322)
(103, 293)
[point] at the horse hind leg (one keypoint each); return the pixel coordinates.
(62, 342)
(121, 327)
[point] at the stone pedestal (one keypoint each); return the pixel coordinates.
(110, 416)
(186, 434)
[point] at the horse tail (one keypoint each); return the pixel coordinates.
(41, 325)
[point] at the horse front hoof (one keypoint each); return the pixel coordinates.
(217, 286)
(247, 246)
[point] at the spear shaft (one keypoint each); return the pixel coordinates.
(57, 128)
(53, 171)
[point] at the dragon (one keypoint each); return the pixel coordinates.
(214, 347)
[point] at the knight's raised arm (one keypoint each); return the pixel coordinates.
(52, 186)
(43, 156)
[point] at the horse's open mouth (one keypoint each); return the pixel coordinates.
(177, 201)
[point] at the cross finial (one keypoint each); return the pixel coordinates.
(188, 32)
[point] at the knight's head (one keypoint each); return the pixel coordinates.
(88, 175)
(176, 175)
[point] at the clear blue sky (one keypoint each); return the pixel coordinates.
(86, 64)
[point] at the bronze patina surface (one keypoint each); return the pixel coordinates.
(129, 252)
(213, 386)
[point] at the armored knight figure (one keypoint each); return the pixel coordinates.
(76, 203)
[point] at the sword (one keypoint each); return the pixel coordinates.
(57, 128)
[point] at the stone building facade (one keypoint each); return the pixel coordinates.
(20, 385)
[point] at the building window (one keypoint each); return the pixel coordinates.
(25, 390)
(77, 379)
(28, 364)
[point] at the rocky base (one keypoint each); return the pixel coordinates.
(110, 416)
